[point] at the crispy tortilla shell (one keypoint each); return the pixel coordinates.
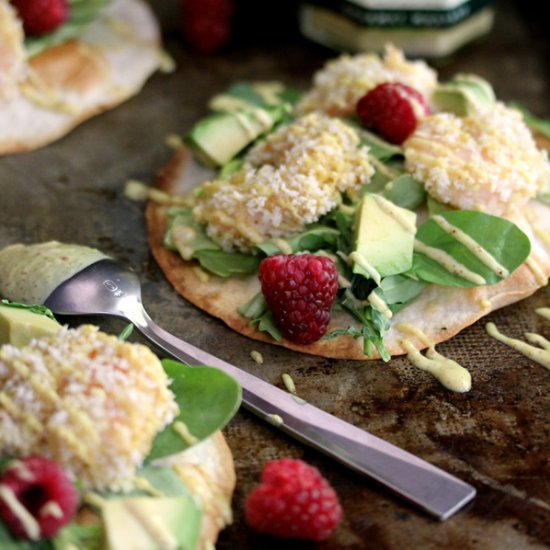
(439, 312)
(75, 80)
(208, 471)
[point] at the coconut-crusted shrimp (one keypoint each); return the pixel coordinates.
(85, 399)
(339, 85)
(287, 181)
(488, 162)
(12, 54)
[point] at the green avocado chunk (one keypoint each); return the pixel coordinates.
(19, 326)
(144, 523)
(384, 236)
(216, 139)
(465, 95)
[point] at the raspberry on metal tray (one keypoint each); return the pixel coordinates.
(293, 500)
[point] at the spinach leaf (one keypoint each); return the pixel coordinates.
(378, 147)
(202, 248)
(398, 290)
(207, 398)
(405, 191)
(183, 217)
(503, 240)
(229, 167)
(83, 537)
(226, 264)
(314, 237)
(257, 312)
(436, 207)
(81, 14)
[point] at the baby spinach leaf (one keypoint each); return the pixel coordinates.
(230, 167)
(400, 290)
(257, 312)
(378, 147)
(405, 191)
(503, 240)
(254, 308)
(183, 217)
(207, 398)
(226, 264)
(436, 207)
(314, 237)
(73, 535)
(202, 248)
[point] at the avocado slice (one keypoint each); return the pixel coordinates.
(384, 236)
(143, 523)
(19, 326)
(465, 95)
(216, 139)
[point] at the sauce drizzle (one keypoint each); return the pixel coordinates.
(539, 355)
(449, 373)
(473, 246)
(448, 262)
(360, 260)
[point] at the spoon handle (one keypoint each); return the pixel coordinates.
(428, 487)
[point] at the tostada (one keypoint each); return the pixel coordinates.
(64, 61)
(102, 445)
(429, 198)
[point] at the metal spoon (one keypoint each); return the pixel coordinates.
(107, 288)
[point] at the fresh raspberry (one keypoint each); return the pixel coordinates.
(206, 24)
(43, 489)
(299, 290)
(41, 16)
(293, 501)
(392, 109)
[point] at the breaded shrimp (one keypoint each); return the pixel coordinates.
(287, 181)
(85, 399)
(488, 162)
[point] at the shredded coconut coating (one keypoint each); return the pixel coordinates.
(339, 85)
(12, 54)
(488, 162)
(287, 181)
(85, 399)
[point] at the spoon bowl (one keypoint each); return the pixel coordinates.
(108, 288)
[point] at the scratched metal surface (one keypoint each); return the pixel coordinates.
(495, 437)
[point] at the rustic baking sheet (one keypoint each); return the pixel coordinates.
(495, 437)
